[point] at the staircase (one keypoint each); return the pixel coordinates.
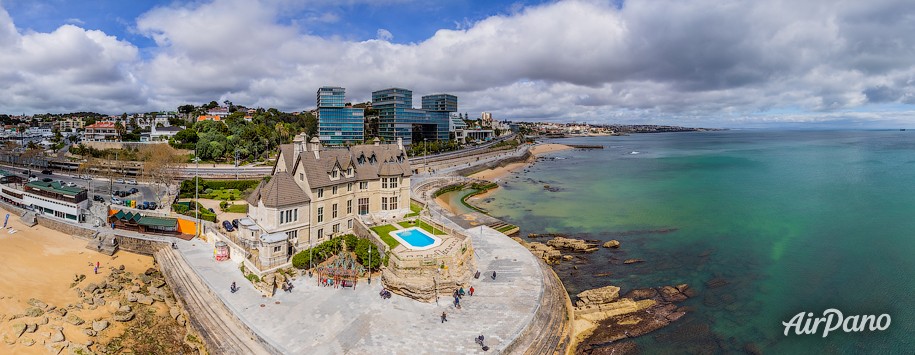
(222, 331)
(551, 329)
(103, 243)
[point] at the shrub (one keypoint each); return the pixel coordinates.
(179, 208)
(223, 205)
(363, 246)
(351, 241)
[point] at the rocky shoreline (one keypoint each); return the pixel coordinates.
(603, 321)
(142, 303)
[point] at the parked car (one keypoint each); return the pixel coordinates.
(46, 172)
(235, 223)
(132, 182)
(228, 226)
(153, 205)
(134, 190)
(47, 179)
(98, 198)
(32, 178)
(116, 201)
(119, 181)
(25, 171)
(69, 183)
(141, 207)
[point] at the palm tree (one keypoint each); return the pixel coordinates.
(119, 128)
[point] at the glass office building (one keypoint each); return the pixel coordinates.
(398, 119)
(439, 108)
(338, 124)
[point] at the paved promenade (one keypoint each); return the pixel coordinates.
(318, 320)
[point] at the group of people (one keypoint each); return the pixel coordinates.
(385, 294)
(286, 286)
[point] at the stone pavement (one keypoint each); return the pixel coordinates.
(319, 320)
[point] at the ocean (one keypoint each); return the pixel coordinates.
(788, 221)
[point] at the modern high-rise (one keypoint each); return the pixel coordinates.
(398, 118)
(396, 115)
(439, 108)
(337, 123)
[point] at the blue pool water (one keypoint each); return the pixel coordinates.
(415, 237)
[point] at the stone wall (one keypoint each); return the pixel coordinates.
(140, 246)
(67, 228)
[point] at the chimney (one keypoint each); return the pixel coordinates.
(298, 144)
(399, 143)
(316, 147)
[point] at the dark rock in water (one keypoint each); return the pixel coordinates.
(626, 347)
(716, 282)
(672, 294)
(752, 349)
(642, 294)
(603, 274)
(633, 261)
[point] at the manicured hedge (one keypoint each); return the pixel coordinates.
(187, 186)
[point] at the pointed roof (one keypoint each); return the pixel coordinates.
(280, 191)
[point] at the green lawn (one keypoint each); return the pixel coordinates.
(416, 208)
(425, 226)
(384, 233)
(240, 208)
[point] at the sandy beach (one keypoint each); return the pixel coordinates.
(37, 262)
(500, 172)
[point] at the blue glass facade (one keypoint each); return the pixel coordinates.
(398, 119)
(338, 124)
(439, 108)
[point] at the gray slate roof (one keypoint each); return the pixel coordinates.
(369, 161)
(280, 191)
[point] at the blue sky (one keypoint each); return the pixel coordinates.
(717, 63)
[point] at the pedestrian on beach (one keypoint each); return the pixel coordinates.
(98, 264)
(444, 317)
(96, 269)
(471, 290)
(493, 275)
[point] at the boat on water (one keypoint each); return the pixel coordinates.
(634, 153)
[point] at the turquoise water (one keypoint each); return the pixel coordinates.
(793, 221)
(415, 238)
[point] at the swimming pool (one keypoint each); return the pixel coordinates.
(416, 239)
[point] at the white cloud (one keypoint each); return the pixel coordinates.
(703, 61)
(384, 35)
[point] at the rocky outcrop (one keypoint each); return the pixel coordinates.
(597, 296)
(572, 244)
(641, 311)
(549, 254)
(633, 261)
(612, 244)
(99, 325)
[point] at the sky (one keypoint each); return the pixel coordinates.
(710, 63)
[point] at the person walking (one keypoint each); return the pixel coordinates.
(444, 317)
(493, 275)
(471, 290)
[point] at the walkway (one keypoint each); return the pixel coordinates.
(317, 320)
(221, 331)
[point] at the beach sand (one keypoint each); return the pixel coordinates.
(500, 172)
(40, 263)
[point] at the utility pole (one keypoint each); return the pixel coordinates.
(236, 163)
(196, 188)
